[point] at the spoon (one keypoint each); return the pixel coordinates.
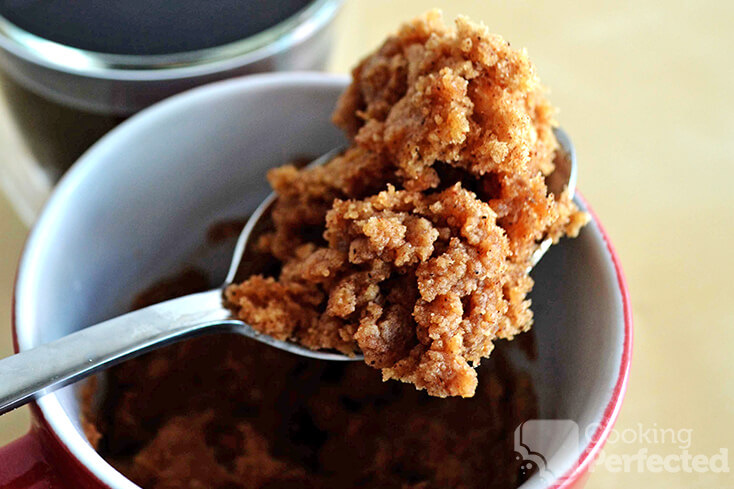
(40, 370)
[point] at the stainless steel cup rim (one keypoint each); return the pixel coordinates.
(75, 61)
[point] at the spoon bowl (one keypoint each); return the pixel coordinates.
(40, 370)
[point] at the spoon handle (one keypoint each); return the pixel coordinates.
(40, 370)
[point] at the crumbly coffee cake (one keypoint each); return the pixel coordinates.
(413, 246)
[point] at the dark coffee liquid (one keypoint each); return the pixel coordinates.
(147, 26)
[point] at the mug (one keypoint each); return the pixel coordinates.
(135, 206)
(64, 98)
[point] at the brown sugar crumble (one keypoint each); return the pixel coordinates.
(413, 246)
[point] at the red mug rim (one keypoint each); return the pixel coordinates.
(611, 411)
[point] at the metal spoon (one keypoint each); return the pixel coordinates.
(40, 370)
(563, 176)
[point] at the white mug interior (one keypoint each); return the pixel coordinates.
(134, 209)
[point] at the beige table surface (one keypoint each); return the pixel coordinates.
(645, 90)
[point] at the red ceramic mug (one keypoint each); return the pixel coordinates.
(160, 179)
